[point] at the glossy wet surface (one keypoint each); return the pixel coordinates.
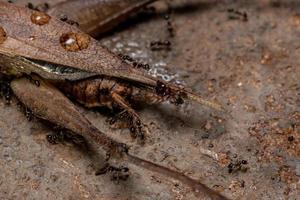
(250, 66)
(40, 18)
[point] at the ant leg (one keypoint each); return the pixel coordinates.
(137, 128)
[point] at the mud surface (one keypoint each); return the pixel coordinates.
(243, 54)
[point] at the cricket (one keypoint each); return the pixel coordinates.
(50, 60)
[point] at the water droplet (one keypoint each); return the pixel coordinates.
(32, 38)
(40, 18)
(74, 41)
(3, 35)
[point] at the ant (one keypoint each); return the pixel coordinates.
(160, 45)
(65, 18)
(135, 64)
(40, 7)
(237, 15)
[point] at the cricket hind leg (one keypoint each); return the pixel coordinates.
(49, 104)
(136, 126)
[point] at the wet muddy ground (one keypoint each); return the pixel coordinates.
(243, 54)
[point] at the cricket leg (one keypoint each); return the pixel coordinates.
(137, 128)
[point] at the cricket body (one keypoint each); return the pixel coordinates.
(59, 55)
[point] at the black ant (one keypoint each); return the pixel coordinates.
(40, 7)
(135, 64)
(237, 15)
(160, 45)
(170, 27)
(64, 18)
(239, 165)
(167, 17)
(164, 44)
(117, 173)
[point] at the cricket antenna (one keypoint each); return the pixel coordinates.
(195, 97)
